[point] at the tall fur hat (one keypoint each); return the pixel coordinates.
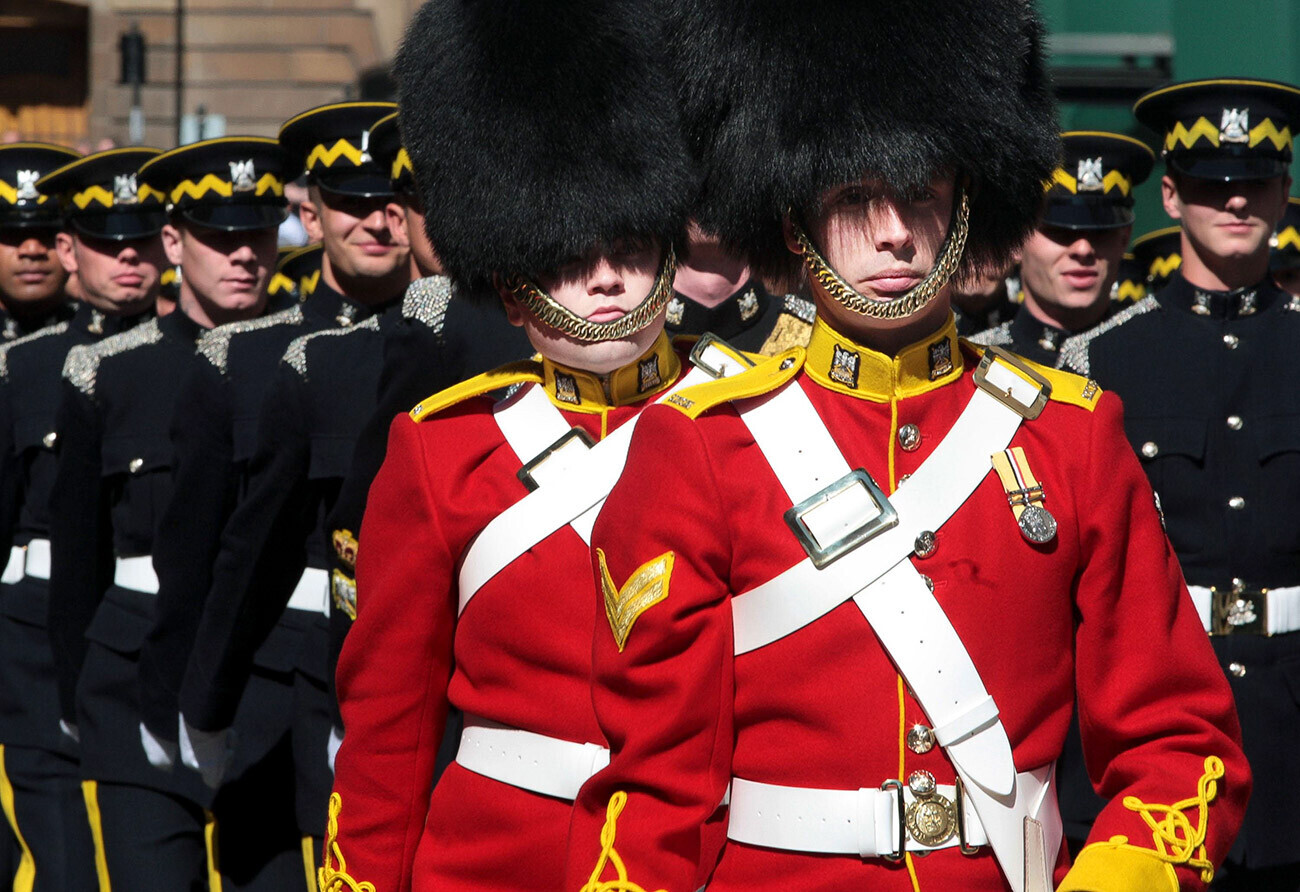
(782, 102)
(539, 128)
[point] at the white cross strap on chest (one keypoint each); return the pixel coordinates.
(569, 474)
(859, 543)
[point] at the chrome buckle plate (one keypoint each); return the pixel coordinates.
(896, 787)
(709, 339)
(1240, 610)
(825, 511)
(1025, 410)
(575, 435)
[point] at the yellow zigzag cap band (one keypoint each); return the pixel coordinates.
(1163, 267)
(1204, 129)
(1112, 180)
(100, 195)
(1288, 238)
(402, 163)
(10, 194)
(328, 157)
(212, 183)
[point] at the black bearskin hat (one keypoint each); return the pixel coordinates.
(782, 102)
(540, 128)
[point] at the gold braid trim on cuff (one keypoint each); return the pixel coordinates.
(328, 877)
(608, 856)
(1176, 840)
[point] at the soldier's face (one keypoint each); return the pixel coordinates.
(354, 230)
(226, 272)
(1072, 268)
(601, 286)
(1226, 221)
(406, 222)
(120, 278)
(30, 271)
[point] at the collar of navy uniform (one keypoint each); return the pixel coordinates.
(180, 326)
(1026, 328)
(735, 314)
(1225, 305)
(583, 391)
(841, 364)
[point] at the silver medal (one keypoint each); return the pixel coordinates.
(1038, 524)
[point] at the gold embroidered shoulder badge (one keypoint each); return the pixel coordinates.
(646, 588)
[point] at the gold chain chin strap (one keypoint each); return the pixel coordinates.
(549, 312)
(922, 294)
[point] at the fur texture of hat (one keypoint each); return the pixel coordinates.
(539, 129)
(781, 102)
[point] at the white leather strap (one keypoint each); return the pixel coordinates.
(37, 561)
(137, 574)
(1281, 608)
(13, 571)
(572, 486)
(529, 761)
(312, 592)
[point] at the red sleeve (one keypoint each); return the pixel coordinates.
(393, 673)
(664, 697)
(1153, 703)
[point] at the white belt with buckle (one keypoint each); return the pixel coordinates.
(312, 591)
(37, 562)
(534, 762)
(13, 571)
(1247, 610)
(137, 574)
(880, 822)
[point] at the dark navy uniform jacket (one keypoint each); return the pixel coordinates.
(1211, 392)
(1030, 337)
(112, 484)
(30, 374)
(751, 319)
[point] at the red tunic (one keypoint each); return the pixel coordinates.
(520, 653)
(1101, 610)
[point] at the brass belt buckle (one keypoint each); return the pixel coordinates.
(709, 339)
(932, 817)
(1240, 610)
(576, 434)
(1026, 410)
(814, 513)
(896, 786)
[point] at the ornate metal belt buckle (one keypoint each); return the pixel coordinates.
(576, 438)
(708, 341)
(1003, 394)
(931, 817)
(1241, 610)
(839, 518)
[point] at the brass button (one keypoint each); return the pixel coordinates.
(1236, 503)
(1234, 422)
(1238, 670)
(50, 439)
(920, 739)
(1150, 449)
(909, 437)
(921, 783)
(135, 465)
(929, 583)
(904, 479)
(1231, 341)
(925, 544)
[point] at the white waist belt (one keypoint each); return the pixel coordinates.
(312, 591)
(13, 571)
(1273, 611)
(137, 574)
(33, 559)
(529, 761)
(864, 822)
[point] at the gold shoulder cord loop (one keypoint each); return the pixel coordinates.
(949, 259)
(329, 878)
(608, 856)
(1176, 840)
(549, 311)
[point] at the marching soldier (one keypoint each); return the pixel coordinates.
(716, 291)
(986, 301)
(1070, 264)
(224, 201)
(896, 557)
(493, 618)
(31, 278)
(117, 275)
(1131, 284)
(1212, 407)
(1284, 259)
(270, 571)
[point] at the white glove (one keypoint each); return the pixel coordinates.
(207, 752)
(160, 753)
(70, 730)
(335, 741)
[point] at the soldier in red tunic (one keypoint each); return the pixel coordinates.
(545, 143)
(864, 622)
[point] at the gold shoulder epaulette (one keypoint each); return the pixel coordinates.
(1068, 387)
(525, 371)
(768, 374)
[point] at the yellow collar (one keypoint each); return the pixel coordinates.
(837, 363)
(585, 391)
